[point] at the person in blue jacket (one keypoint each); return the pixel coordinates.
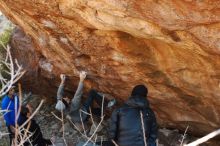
(9, 105)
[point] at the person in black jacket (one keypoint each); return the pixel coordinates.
(37, 138)
(126, 122)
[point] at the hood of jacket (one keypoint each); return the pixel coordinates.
(137, 102)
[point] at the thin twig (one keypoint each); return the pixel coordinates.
(114, 143)
(15, 72)
(184, 135)
(3, 134)
(90, 111)
(204, 139)
(85, 136)
(101, 140)
(26, 137)
(17, 111)
(63, 127)
(102, 118)
(56, 116)
(82, 122)
(32, 115)
(143, 128)
(95, 140)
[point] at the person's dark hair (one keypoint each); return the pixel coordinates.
(139, 90)
(12, 87)
(65, 103)
(24, 111)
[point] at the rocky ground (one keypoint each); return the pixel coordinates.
(52, 127)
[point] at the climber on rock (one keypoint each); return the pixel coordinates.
(75, 109)
(126, 124)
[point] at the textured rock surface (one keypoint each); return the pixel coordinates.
(171, 46)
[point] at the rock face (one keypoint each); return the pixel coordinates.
(171, 46)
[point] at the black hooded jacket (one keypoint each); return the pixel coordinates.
(125, 125)
(37, 137)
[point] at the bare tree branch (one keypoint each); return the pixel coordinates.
(114, 143)
(23, 134)
(63, 127)
(102, 118)
(184, 135)
(204, 139)
(12, 70)
(32, 115)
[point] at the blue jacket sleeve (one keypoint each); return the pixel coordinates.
(5, 105)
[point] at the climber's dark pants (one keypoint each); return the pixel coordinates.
(94, 96)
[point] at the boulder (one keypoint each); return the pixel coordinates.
(173, 47)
